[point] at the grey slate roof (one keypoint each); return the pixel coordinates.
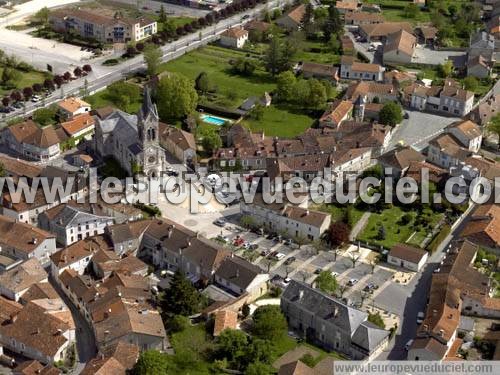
(369, 336)
(238, 271)
(325, 306)
(71, 215)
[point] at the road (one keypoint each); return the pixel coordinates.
(102, 76)
(85, 341)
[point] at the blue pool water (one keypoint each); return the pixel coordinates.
(214, 120)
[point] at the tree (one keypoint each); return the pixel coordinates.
(42, 16)
(381, 233)
(244, 67)
(273, 56)
(446, 69)
(259, 368)
(319, 245)
(178, 323)
(37, 87)
(354, 258)
(257, 112)
(494, 127)
(391, 114)
(176, 97)
(211, 140)
(338, 234)
(67, 76)
(269, 322)
(181, 297)
(87, 68)
(16, 96)
(326, 282)
(333, 24)
(131, 51)
(247, 221)
(317, 94)
(151, 362)
(152, 57)
(232, 345)
(202, 83)
(162, 17)
(78, 72)
(123, 94)
(411, 10)
(10, 77)
(307, 20)
(300, 240)
(374, 262)
(27, 93)
(285, 86)
(45, 116)
(334, 44)
(2, 170)
(48, 84)
(471, 83)
(376, 319)
(58, 80)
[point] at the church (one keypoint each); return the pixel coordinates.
(133, 140)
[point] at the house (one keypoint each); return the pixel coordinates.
(225, 319)
(173, 247)
(293, 19)
(257, 26)
(363, 18)
(346, 6)
(446, 151)
(39, 291)
(330, 323)
(126, 238)
(406, 256)
(34, 367)
(82, 160)
(72, 222)
(250, 102)
(79, 126)
(338, 111)
(104, 28)
(107, 264)
(318, 71)
(481, 55)
(78, 255)
(179, 143)
(399, 47)
(468, 133)
(16, 168)
(292, 220)
(234, 37)
(456, 288)
(347, 45)
(352, 69)
(32, 142)
(381, 31)
(399, 160)
(480, 67)
(486, 110)
(483, 227)
(15, 282)
(238, 276)
(72, 107)
(426, 35)
(38, 334)
(118, 359)
(371, 90)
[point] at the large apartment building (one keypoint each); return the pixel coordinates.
(101, 27)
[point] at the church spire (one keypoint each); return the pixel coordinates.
(148, 108)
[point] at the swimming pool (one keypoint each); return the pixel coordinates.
(214, 120)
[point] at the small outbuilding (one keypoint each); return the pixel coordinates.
(406, 256)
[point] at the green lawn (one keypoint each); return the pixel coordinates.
(341, 212)
(278, 121)
(395, 231)
(231, 89)
(27, 79)
(101, 99)
(315, 51)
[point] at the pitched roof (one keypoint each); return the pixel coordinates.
(19, 168)
(297, 13)
(295, 368)
(428, 32)
(181, 138)
(43, 137)
(323, 69)
(22, 237)
(72, 104)
(8, 309)
(449, 145)
(364, 17)
(257, 25)
(23, 276)
(483, 227)
(78, 123)
(368, 87)
(401, 157)
(357, 66)
(337, 111)
(117, 359)
(386, 28)
(456, 92)
(79, 250)
(40, 291)
(469, 129)
(401, 41)
(406, 252)
(238, 271)
(225, 319)
(347, 5)
(235, 32)
(33, 367)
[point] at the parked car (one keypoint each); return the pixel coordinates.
(370, 286)
(408, 345)
(334, 274)
(317, 271)
(288, 242)
(279, 256)
(289, 261)
(265, 252)
(220, 222)
(352, 282)
(420, 317)
(238, 241)
(254, 246)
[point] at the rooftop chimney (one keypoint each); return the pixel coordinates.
(301, 294)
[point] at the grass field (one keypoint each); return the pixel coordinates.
(27, 79)
(395, 231)
(340, 212)
(278, 121)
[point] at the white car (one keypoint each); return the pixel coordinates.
(420, 317)
(279, 256)
(334, 274)
(408, 345)
(352, 282)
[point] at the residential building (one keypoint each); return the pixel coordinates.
(381, 31)
(363, 18)
(293, 19)
(15, 282)
(234, 37)
(338, 111)
(80, 126)
(351, 69)
(118, 359)
(346, 6)
(293, 221)
(126, 238)
(32, 142)
(23, 241)
(105, 264)
(371, 90)
(73, 106)
(35, 367)
(468, 133)
(102, 27)
(480, 67)
(446, 151)
(486, 110)
(483, 227)
(399, 48)
(238, 276)
(330, 323)
(406, 256)
(318, 71)
(399, 160)
(179, 143)
(72, 222)
(37, 333)
(225, 319)
(426, 35)
(19, 168)
(134, 141)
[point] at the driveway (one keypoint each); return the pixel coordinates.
(419, 128)
(425, 55)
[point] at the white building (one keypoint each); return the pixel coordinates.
(72, 106)
(15, 282)
(409, 257)
(234, 37)
(351, 69)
